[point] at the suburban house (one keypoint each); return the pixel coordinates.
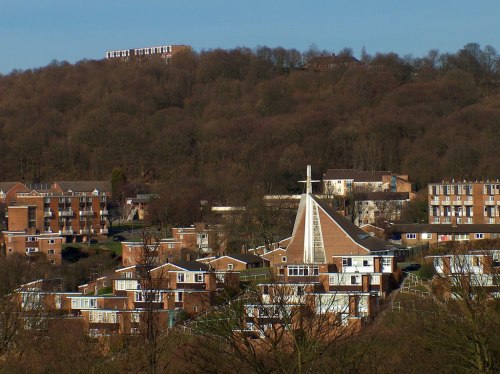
(343, 182)
(164, 250)
(202, 237)
(418, 234)
(464, 202)
(237, 262)
(458, 272)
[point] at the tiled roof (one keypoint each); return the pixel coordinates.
(356, 175)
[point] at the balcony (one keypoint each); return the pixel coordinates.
(48, 213)
(103, 231)
(103, 212)
(446, 220)
(446, 202)
(86, 231)
(468, 202)
(86, 213)
(435, 202)
(489, 203)
(66, 232)
(457, 202)
(66, 213)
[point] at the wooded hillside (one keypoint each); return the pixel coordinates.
(234, 123)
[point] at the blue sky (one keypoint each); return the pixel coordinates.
(34, 32)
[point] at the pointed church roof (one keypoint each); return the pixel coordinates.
(320, 233)
(354, 232)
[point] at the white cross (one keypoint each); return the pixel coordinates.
(308, 181)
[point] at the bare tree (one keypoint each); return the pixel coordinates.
(279, 328)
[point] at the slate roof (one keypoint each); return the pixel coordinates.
(356, 175)
(191, 265)
(6, 186)
(354, 232)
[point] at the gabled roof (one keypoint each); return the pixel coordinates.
(7, 186)
(190, 265)
(84, 186)
(356, 175)
(245, 257)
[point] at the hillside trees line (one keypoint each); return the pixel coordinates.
(235, 123)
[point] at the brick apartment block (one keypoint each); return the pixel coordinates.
(464, 203)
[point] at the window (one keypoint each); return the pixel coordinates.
(198, 277)
(178, 297)
(52, 261)
(265, 290)
(283, 259)
(347, 261)
(411, 236)
(426, 236)
(52, 241)
(355, 279)
(300, 291)
(180, 277)
(51, 252)
(366, 263)
(386, 261)
(230, 266)
(478, 236)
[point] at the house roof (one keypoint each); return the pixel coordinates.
(382, 196)
(245, 257)
(191, 265)
(7, 186)
(356, 175)
(352, 231)
(443, 229)
(84, 186)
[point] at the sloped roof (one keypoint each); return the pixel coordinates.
(246, 257)
(84, 186)
(354, 232)
(191, 265)
(356, 175)
(6, 186)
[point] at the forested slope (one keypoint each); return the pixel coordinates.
(234, 123)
